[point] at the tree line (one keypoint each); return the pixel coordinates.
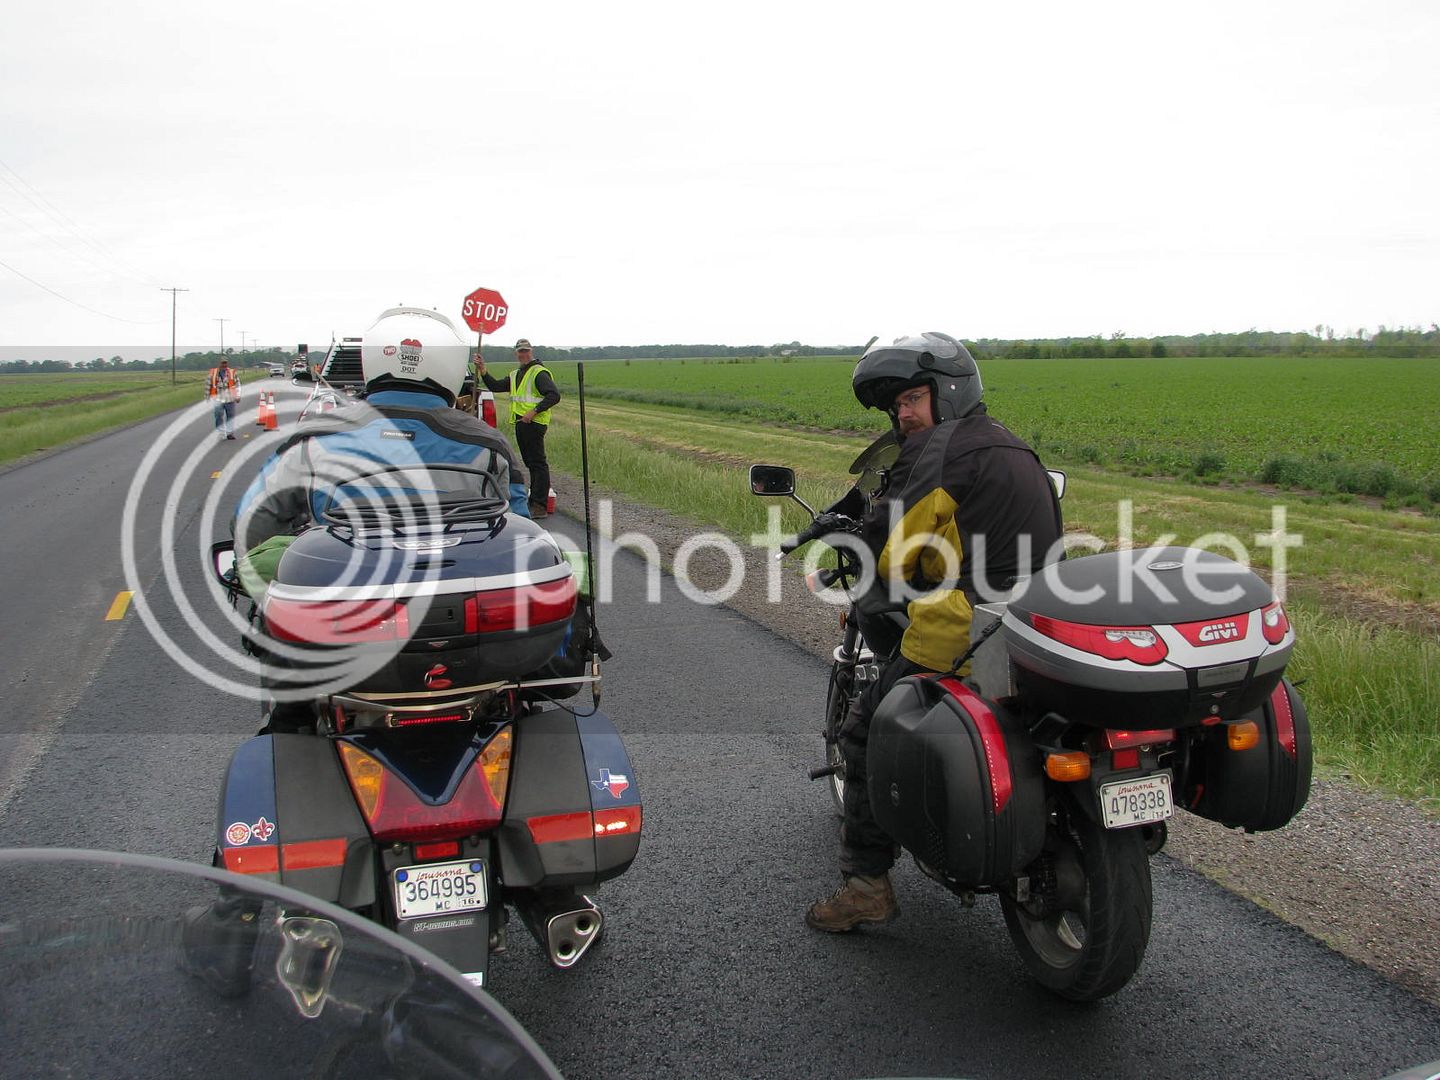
(1323, 341)
(191, 361)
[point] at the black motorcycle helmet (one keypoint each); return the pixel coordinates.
(929, 359)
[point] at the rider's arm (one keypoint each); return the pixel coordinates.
(276, 502)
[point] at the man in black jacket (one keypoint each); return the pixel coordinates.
(969, 509)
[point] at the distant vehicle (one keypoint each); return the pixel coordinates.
(299, 366)
(277, 370)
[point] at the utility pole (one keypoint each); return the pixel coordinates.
(243, 360)
(172, 293)
(222, 323)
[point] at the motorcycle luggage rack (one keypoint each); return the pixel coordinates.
(417, 512)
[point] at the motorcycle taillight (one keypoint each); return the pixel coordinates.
(336, 622)
(1140, 644)
(520, 608)
(395, 813)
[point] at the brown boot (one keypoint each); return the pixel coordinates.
(861, 901)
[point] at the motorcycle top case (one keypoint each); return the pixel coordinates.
(573, 813)
(479, 604)
(956, 781)
(1147, 638)
(1260, 788)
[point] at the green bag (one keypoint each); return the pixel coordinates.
(257, 566)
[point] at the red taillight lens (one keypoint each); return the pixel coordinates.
(1274, 624)
(337, 622)
(450, 849)
(583, 825)
(487, 411)
(1140, 644)
(520, 608)
(394, 812)
(427, 718)
(1115, 740)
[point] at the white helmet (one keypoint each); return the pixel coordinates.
(408, 344)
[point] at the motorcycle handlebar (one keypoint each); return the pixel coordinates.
(822, 526)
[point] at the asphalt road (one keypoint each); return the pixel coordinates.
(706, 969)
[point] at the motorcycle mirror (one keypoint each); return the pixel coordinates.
(772, 480)
(1057, 481)
(222, 563)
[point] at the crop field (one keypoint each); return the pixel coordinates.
(38, 412)
(1334, 425)
(1363, 586)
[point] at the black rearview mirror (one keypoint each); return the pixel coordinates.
(772, 480)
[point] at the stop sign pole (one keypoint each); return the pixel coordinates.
(484, 311)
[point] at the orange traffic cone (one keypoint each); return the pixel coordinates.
(550, 502)
(272, 422)
(260, 411)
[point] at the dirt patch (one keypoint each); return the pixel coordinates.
(83, 399)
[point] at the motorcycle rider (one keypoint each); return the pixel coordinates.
(414, 362)
(965, 493)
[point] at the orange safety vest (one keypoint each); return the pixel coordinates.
(232, 383)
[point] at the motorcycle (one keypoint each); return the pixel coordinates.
(103, 974)
(1102, 693)
(446, 781)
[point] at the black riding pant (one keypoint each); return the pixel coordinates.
(865, 849)
(530, 439)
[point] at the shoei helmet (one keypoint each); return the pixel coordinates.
(929, 359)
(414, 345)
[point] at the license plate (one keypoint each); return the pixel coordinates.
(1136, 802)
(439, 888)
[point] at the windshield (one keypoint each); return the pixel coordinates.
(118, 965)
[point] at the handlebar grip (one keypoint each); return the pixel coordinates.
(810, 532)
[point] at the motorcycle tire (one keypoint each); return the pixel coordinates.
(837, 706)
(1085, 938)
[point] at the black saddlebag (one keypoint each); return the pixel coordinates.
(956, 781)
(1261, 788)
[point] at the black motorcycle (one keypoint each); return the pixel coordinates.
(1097, 696)
(442, 778)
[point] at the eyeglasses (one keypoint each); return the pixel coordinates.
(911, 399)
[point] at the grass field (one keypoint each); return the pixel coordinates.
(1331, 425)
(39, 412)
(1364, 586)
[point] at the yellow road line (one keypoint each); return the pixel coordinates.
(117, 609)
(215, 475)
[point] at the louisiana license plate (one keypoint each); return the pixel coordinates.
(439, 888)
(1136, 802)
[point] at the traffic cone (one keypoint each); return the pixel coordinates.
(260, 411)
(550, 502)
(272, 422)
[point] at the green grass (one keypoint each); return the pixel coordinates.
(1333, 425)
(83, 404)
(1372, 685)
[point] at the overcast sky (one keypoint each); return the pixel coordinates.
(634, 173)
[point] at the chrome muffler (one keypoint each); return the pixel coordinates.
(565, 926)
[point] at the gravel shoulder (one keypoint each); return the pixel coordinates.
(1357, 870)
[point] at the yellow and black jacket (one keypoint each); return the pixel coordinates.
(969, 509)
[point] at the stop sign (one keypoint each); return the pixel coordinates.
(484, 311)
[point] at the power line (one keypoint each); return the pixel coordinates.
(59, 217)
(82, 307)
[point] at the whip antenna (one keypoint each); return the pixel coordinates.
(598, 651)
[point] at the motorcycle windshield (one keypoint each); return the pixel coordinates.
(125, 965)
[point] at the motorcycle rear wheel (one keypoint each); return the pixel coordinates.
(837, 706)
(1085, 939)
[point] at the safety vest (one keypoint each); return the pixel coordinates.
(231, 384)
(524, 396)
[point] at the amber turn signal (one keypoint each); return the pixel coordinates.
(1071, 765)
(1244, 735)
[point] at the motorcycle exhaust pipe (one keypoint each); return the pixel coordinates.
(565, 926)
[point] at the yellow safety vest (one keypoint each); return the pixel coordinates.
(525, 397)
